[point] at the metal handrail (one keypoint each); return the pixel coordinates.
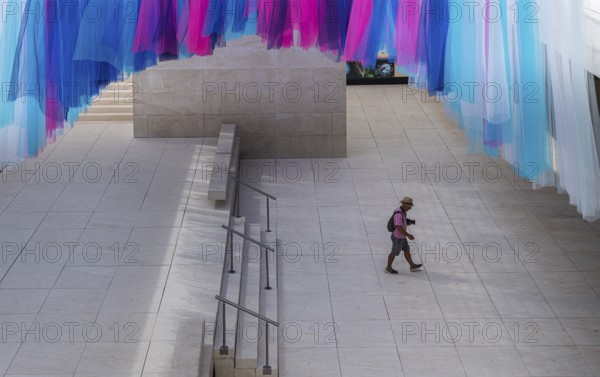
(267, 370)
(252, 313)
(255, 189)
(237, 200)
(248, 238)
(231, 231)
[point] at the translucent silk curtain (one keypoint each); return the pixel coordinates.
(576, 163)
(511, 72)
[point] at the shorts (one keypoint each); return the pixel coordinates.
(399, 244)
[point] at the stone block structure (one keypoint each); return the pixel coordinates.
(286, 103)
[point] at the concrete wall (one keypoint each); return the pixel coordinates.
(287, 103)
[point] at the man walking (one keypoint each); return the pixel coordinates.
(400, 235)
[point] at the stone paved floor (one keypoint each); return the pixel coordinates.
(510, 285)
(511, 279)
(102, 272)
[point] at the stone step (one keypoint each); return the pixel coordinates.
(246, 355)
(111, 108)
(122, 94)
(106, 117)
(230, 289)
(121, 85)
(269, 309)
(230, 281)
(109, 99)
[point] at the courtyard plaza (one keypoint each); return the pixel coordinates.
(510, 283)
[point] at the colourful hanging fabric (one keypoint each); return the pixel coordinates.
(12, 125)
(407, 27)
(275, 23)
(214, 26)
(431, 43)
(334, 19)
(157, 28)
(575, 149)
(527, 140)
(8, 43)
(360, 16)
(52, 93)
(242, 19)
(198, 42)
(29, 80)
(462, 85)
(513, 80)
(305, 14)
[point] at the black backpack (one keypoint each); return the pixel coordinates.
(390, 224)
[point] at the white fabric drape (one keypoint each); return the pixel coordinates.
(561, 23)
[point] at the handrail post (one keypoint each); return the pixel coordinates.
(267, 370)
(230, 239)
(268, 287)
(224, 349)
(268, 216)
(237, 201)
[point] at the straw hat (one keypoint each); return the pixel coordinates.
(407, 201)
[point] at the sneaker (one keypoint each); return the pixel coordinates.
(415, 267)
(390, 270)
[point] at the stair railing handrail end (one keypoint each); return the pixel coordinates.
(238, 180)
(245, 310)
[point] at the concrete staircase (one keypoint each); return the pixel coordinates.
(240, 338)
(114, 104)
(233, 343)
